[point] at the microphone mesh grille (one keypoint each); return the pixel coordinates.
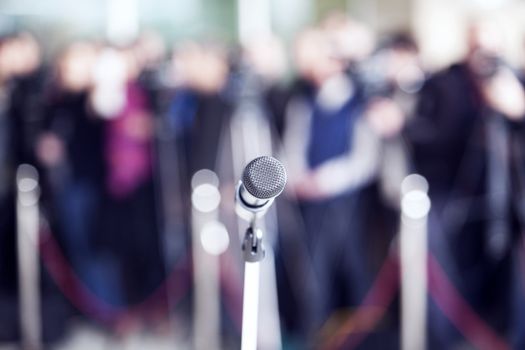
(264, 177)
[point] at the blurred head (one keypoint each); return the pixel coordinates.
(110, 77)
(353, 41)
(487, 47)
(202, 67)
(402, 58)
(267, 57)
(110, 68)
(487, 36)
(5, 69)
(150, 49)
(315, 57)
(20, 56)
(132, 63)
(28, 54)
(75, 66)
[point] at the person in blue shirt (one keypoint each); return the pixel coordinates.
(331, 154)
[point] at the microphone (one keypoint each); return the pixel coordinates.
(263, 179)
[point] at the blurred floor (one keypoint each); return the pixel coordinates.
(85, 337)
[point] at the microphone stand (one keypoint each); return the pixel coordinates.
(252, 208)
(253, 253)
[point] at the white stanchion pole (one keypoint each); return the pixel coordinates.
(415, 205)
(250, 308)
(209, 239)
(27, 217)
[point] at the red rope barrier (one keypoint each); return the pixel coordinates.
(353, 331)
(459, 312)
(349, 335)
(176, 283)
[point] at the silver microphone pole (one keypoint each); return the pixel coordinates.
(263, 179)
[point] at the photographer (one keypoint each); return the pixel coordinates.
(465, 118)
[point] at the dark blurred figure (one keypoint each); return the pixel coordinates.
(8, 271)
(70, 149)
(391, 79)
(265, 58)
(22, 79)
(6, 167)
(331, 153)
(25, 101)
(467, 119)
(518, 297)
(150, 53)
(199, 116)
(129, 236)
(352, 42)
(200, 110)
(393, 72)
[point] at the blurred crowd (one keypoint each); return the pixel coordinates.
(117, 131)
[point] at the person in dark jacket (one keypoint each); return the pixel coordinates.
(460, 140)
(70, 150)
(200, 110)
(22, 83)
(131, 210)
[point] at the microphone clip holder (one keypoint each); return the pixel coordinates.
(252, 245)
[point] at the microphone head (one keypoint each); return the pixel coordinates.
(264, 177)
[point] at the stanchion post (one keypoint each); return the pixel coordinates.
(209, 239)
(27, 220)
(415, 205)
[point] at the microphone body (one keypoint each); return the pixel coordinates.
(263, 179)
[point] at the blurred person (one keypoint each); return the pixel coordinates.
(70, 150)
(331, 154)
(5, 166)
(150, 52)
(181, 116)
(200, 110)
(8, 265)
(518, 283)
(108, 92)
(394, 71)
(353, 42)
(266, 59)
(199, 116)
(467, 117)
(391, 79)
(23, 64)
(22, 80)
(129, 233)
